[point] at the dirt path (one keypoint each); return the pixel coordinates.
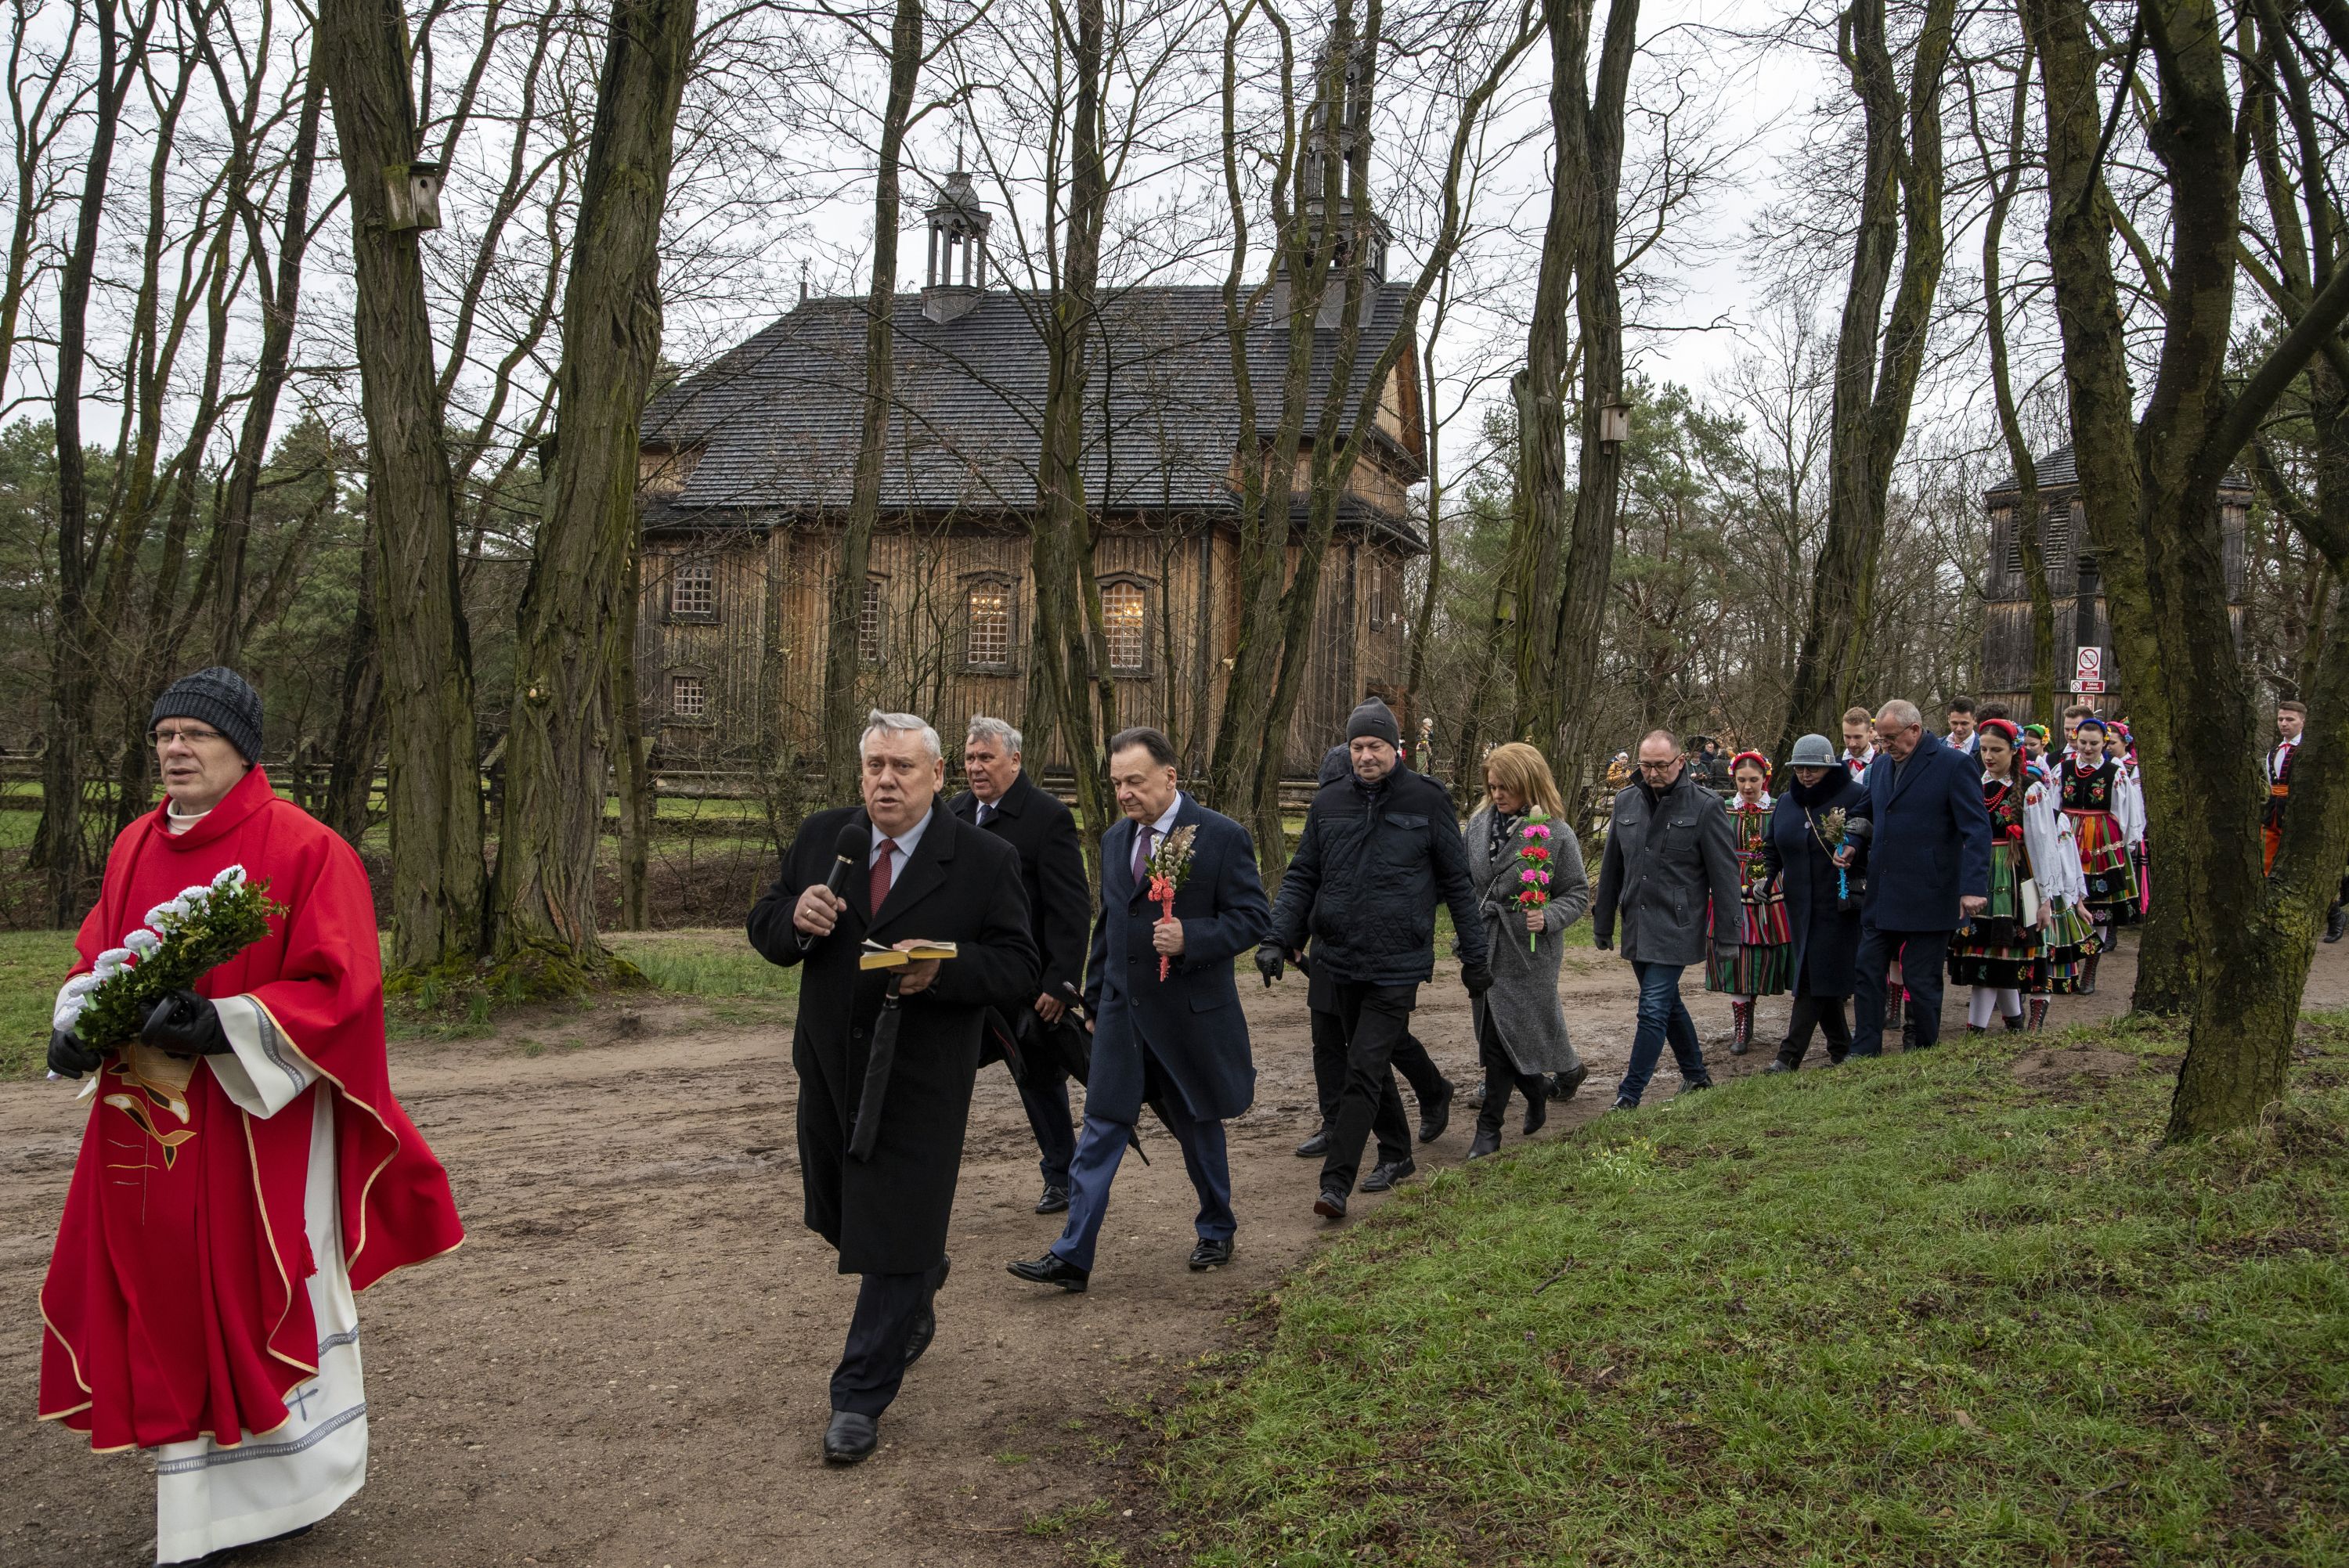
(626, 1362)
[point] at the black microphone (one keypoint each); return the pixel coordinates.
(848, 852)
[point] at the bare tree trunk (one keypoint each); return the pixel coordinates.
(2152, 492)
(843, 716)
(358, 722)
(2030, 530)
(434, 789)
(232, 529)
(631, 760)
(58, 845)
(1877, 359)
(576, 605)
(1068, 649)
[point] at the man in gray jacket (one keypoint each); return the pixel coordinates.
(1671, 859)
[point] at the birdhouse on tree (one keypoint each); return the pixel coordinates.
(412, 195)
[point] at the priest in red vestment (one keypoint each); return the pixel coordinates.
(244, 1169)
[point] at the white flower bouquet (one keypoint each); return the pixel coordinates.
(204, 926)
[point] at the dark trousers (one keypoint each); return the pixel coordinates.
(1663, 1020)
(1411, 1059)
(1376, 1020)
(1923, 958)
(1824, 1014)
(1501, 1076)
(1044, 1095)
(1103, 1147)
(874, 1362)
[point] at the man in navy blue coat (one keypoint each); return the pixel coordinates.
(1180, 1044)
(1929, 869)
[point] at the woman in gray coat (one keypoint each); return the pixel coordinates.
(1520, 1028)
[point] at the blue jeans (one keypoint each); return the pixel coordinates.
(1100, 1150)
(1663, 1018)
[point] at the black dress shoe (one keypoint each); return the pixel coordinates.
(1487, 1141)
(1690, 1084)
(1055, 1200)
(1779, 1065)
(1052, 1269)
(851, 1438)
(1434, 1118)
(1331, 1204)
(925, 1326)
(1315, 1147)
(1563, 1085)
(1211, 1255)
(1386, 1174)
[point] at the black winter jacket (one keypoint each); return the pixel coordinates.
(1369, 873)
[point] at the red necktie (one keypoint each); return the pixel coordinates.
(879, 886)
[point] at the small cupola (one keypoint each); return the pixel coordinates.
(957, 276)
(1342, 137)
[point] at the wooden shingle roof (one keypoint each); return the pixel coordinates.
(775, 422)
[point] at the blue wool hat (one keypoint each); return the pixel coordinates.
(218, 696)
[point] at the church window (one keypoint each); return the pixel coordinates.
(987, 634)
(1122, 620)
(869, 620)
(688, 698)
(693, 591)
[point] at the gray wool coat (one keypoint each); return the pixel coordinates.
(1523, 1002)
(1664, 871)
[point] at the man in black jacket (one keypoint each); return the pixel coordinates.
(1428, 1084)
(1379, 849)
(917, 874)
(1003, 800)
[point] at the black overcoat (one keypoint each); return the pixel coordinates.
(1191, 1021)
(1827, 939)
(1051, 873)
(888, 1214)
(1932, 843)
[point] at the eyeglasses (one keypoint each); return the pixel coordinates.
(1664, 767)
(192, 737)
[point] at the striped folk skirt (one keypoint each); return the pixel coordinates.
(1763, 963)
(2104, 860)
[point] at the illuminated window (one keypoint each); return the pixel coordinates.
(693, 589)
(688, 698)
(1122, 619)
(987, 636)
(869, 620)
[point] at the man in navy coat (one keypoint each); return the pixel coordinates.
(1180, 1044)
(1929, 869)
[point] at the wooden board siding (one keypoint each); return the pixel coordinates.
(760, 657)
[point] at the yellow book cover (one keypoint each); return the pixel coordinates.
(876, 956)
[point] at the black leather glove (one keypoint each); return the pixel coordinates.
(1268, 961)
(1602, 940)
(69, 1057)
(1476, 977)
(185, 1024)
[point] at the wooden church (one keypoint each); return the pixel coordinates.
(746, 477)
(2077, 586)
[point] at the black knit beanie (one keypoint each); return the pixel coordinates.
(220, 698)
(1374, 719)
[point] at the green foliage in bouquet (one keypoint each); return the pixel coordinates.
(184, 937)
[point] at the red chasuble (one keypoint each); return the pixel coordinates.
(175, 1305)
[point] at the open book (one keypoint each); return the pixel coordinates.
(876, 956)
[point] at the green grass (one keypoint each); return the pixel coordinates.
(1909, 1312)
(715, 964)
(33, 965)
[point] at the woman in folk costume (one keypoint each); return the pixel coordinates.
(1763, 963)
(244, 1168)
(2121, 747)
(1520, 1028)
(2096, 795)
(2035, 750)
(2028, 939)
